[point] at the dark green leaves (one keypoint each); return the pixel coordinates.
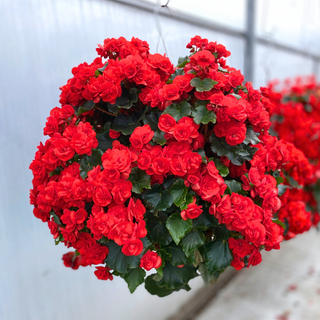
(134, 278)
(236, 154)
(177, 256)
(178, 192)
(182, 61)
(233, 186)
(178, 72)
(154, 289)
(140, 180)
(104, 140)
(205, 220)
(192, 241)
(87, 106)
(116, 260)
(157, 199)
(203, 85)
(128, 97)
(282, 189)
(223, 170)
(217, 255)
(157, 228)
(178, 227)
(88, 162)
(159, 138)
(174, 277)
(178, 110)
(202, 115)
(126, 124)
(152, 120)
(251, 137)
(279, 222)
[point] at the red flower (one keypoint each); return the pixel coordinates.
(96, 254)
(132, 247)
(63, 149)
(72, 261)
(103, 273)
(236, 135)
(141, 136)
(170, 92)
(114, 134)
(150, 260)
(121, 191)
(166, 123)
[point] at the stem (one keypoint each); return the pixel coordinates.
(210, 133)
(111, 114)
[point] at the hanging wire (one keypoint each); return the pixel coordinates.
(156, 14)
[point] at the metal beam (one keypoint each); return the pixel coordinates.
(207, 24)
(181, 16)
(250, 41)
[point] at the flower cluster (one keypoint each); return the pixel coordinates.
(300, 100)
(148, 166)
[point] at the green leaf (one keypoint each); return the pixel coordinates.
(147, 244)
(233, 186)
(174, 277)
(104, 140)
(103, 68)
(157, 199)
(154, 289)
(125, 101)
(178, 192)
(152, 120)
(192, 241)
(182, 61)
(157, 228)
(202, 115)
(56, 219)
(126, 124)
(222, 233)
(178, 72)
(202, 154)
(134, 278)
(236, 154)
(177, 256)
(87, 106)
(279, 180)
(223, 170)
(251, 137)
(189, 199)
(205, 220)
(203, 85)
(159, 138)
(280, 223)
(282, 189)
(236, 96)
(88, 162)
(217, 255)
(168, 182)
(104, 240)
(178, 227)
(116, 260)
(178, 110)
(140, 180)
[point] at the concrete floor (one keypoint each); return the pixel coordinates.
(285, 286)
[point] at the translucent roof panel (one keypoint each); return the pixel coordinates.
(291, 22)
(231, 13)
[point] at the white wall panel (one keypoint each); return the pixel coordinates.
(271, 64)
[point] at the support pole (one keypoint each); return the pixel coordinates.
(250, 42)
